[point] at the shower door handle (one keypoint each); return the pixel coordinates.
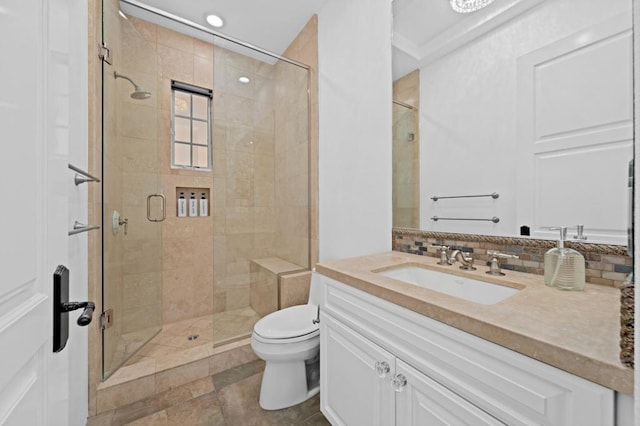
(164, 207)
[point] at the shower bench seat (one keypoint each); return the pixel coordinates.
(277, 283)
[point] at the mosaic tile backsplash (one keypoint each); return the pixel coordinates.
(605, 264)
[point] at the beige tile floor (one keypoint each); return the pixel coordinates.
(217, 329)
(227, 398)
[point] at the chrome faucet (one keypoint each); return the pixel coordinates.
(462, 257)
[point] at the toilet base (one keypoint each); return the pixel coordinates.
(284, 384)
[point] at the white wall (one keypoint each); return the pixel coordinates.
(468, 115)
(68, 132)
(354, 79)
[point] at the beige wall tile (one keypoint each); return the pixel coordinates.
(176, 64)
(147, 30)
(178, 294)
(141, 256)
(203, 72)
(125, 393)
(231, 358)
(181, 375)
(137, 121)
(203, 49)
(294, 289)
(175, 40)
(139, 155)
(237, 298)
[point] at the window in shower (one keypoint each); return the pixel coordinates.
(190, 126)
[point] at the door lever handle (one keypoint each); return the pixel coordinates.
(87, 314)
(62, 307)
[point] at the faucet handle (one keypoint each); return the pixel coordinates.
(502, 255)
(444, 258)
(468, 266)
(494, 267)
(580, 235)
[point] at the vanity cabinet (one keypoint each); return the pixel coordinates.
(367, 385)
(382, 364)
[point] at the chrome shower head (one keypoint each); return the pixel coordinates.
(138, 92)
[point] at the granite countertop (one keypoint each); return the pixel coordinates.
(576, 331)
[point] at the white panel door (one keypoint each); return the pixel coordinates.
(35, 119)
(351, 392)
(423, 401)
(575, 133)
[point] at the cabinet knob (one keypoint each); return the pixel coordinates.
(399, 381)
(382, 369)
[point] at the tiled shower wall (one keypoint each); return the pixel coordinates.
(605, 264)
(406, 151)
(187, 243)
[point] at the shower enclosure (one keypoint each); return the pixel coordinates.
(226, 123)
(405, 154)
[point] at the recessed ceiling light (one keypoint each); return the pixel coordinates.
(214, 20)
(244, 80)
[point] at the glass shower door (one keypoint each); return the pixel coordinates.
(131, 208)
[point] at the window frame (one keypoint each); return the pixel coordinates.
(192, 91)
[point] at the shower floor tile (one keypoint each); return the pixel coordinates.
(212, 330)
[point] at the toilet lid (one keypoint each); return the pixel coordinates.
(287, 323)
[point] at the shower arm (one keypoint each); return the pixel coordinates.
(116, 75)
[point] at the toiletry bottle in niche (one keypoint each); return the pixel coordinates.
(193, 205)
(564, 267)
(204, 210)
(182, 205)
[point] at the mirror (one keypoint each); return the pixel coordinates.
(529, 99)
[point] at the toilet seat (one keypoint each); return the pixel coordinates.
(291, 324)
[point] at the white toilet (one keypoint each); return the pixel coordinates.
(289, 342)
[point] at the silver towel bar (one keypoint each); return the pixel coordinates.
(494, 219)
(82, 176)
(81, 227)
(493, 195)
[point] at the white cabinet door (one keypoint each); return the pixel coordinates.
(352, 393)
(423, 401)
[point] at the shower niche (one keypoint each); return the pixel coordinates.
(192, 202)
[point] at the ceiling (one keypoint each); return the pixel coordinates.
(270, 25)
(274, 24)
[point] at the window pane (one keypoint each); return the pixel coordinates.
(200, 132)
(191, 123)
(181, 155)
(200, 107)
(182, 130)
(200, 156)
(182, 103)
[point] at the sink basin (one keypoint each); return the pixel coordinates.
(453, 285)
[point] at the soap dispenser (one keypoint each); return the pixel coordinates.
(564, 267)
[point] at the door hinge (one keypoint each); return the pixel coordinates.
(106, 319)
(105, 53)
